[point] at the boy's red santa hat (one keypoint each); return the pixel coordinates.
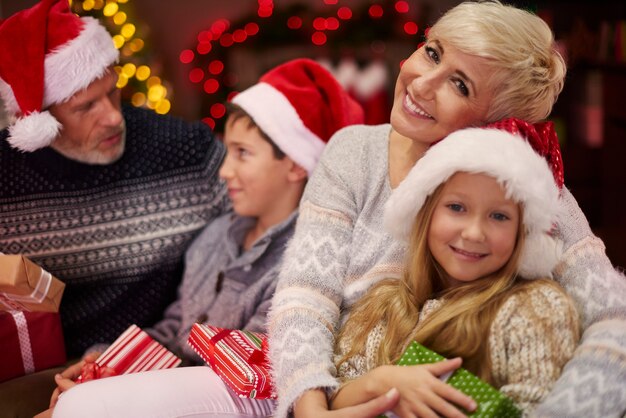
(47, 54)
(524, 158)
(300, 105)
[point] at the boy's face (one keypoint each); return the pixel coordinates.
(256, 179)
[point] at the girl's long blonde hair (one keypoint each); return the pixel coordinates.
(458, 328)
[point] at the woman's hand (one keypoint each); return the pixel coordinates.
(422, 393)
(312, 404)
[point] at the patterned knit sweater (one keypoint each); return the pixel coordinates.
(115, 234)
(532, 336)
(340, 249)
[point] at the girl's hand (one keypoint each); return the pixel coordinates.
(422, 393)
(312, 404)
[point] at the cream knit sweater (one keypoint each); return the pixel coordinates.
(340, 248)
(532, 336)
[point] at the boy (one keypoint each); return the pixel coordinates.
(274, 135)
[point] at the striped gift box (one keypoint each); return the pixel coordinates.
(238, 357)
(135, 351)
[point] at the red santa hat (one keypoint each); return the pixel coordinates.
(524, 158)
(47, 55)
(300, 105)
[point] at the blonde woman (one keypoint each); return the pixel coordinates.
(482, 61)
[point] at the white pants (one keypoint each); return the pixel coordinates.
(181, 392)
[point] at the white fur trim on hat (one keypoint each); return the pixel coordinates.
(275, 115)
(511, 160)
(72, 67)
(36, 130)
(78, 63)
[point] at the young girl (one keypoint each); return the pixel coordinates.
(476, 211)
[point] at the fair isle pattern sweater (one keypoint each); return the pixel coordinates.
(340, 249)
(115, 234)
(532, 336)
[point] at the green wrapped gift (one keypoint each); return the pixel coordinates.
(491, 403)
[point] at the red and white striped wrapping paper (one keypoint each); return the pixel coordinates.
(238, 357)
(135, 351)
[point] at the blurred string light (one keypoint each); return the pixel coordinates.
(214, 79)
(151, 91)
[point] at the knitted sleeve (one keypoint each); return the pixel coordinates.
(533, 335)
(309, 294)
(598, 367)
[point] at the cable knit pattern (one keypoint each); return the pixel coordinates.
(593, 383)
(530, 339)
(340, 249)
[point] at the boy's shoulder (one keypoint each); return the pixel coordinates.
(214, 233)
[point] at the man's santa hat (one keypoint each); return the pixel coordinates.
(48, 55)
(524, 158)
(300, 105)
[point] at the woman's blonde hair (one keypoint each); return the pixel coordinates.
(529, 71)
(458, 328)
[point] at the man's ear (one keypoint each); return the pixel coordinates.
(296, 173)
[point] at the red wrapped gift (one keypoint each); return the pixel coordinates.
(133, 351)
(29, 341)
(238, 357)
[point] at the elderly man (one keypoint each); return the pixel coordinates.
(104, 197)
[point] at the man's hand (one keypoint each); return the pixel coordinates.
(312, 404)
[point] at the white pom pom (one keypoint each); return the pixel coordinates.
(34, 131)
(540, 255)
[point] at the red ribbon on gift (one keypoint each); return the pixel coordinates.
(257, 357)
(238, 357)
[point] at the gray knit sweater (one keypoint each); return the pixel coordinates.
(340, 248)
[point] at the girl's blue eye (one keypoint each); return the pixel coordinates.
(500, 216)
(242, 152)
(455, 207)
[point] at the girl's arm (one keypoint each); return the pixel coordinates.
(532, 337)
(599, 292)
(421, 391)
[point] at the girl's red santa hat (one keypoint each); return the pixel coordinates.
(300, 105)
(48, 55)
(524, 158)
